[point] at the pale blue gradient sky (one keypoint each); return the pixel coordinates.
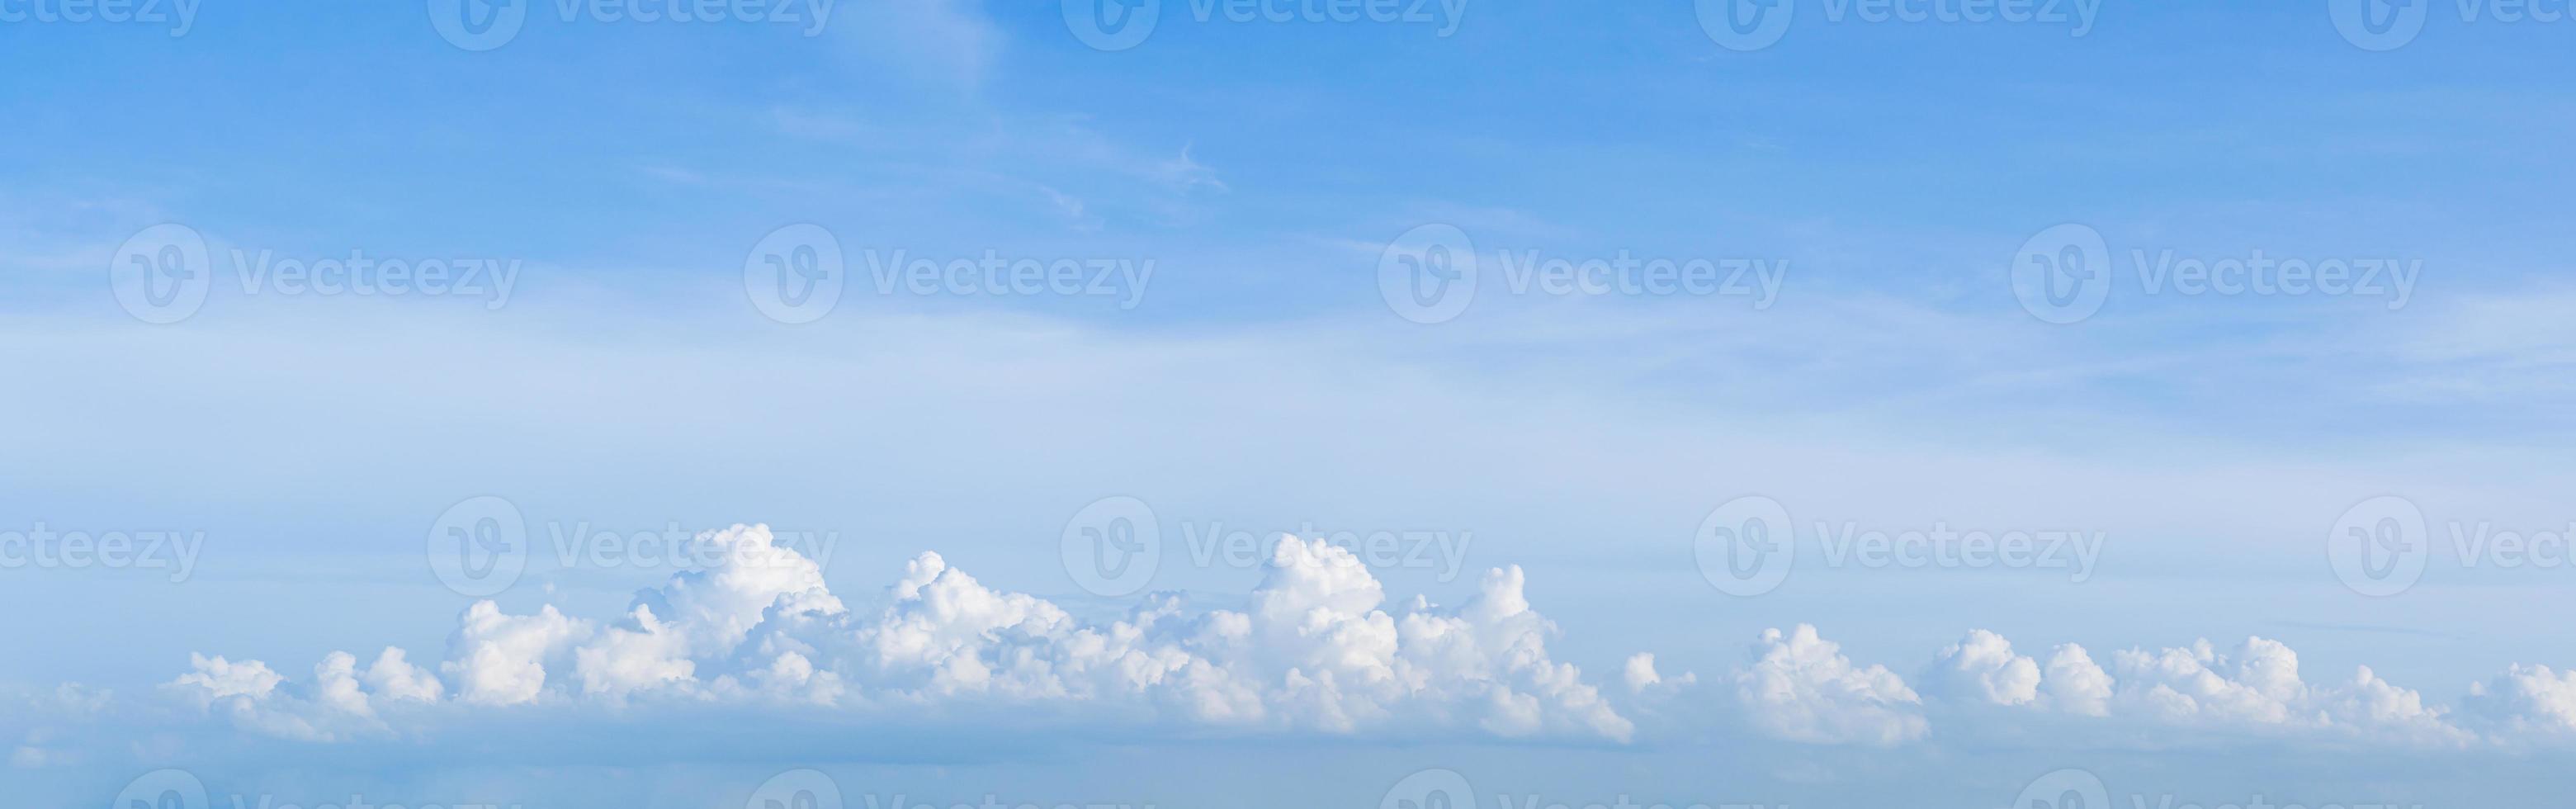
(1260, 380)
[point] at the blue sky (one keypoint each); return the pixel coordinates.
(1243, 193)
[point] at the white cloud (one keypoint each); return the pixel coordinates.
(1983, 667)
(1801, 688)
(2527, 697)
(2257, 683)
(2075, 684)
(396, 678)
(1316, 651)
(1642, 677)
(501, 659)
(2254, 686)
(215, 678)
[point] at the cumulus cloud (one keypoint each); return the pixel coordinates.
(215, 678)
(2255, 685)
(2526, 698)
(500, 659)
(2076, 684)
(1317, 649)
(1802, 688)
(1984, 668)
(396, 678)
(1643, 677)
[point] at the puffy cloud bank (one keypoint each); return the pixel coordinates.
(1800, 687)
(1316, 649)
